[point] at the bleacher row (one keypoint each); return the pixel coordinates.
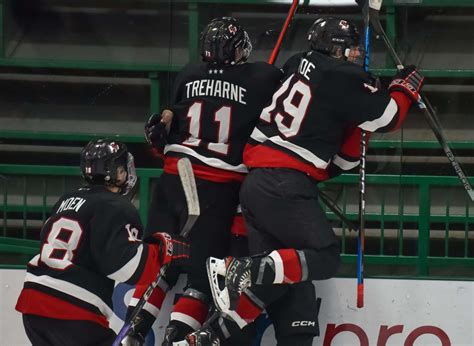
(70, 72)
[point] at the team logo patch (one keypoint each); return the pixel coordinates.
(232, 29)
(371, 88)
(132, 233)
(114, 147)
(344, 25)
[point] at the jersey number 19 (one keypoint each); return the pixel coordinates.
(289, 106)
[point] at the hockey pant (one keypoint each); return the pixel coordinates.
(44, 331)
(286, 222)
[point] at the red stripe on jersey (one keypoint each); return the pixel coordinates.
(247, 310)
(351, 142)
(238, 226)
(204, 172)
(152, 265)
(262, 156)
(157, 296)
(404, 103)
(34, 302)
(191, 307)
(291, 265)
(157, 153)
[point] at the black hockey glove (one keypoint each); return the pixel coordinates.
(156, 131)
(409, 81)
(174, 249)
(137, 335)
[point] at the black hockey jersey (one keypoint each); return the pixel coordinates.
(215, 110)
(314, 121)
(91, 240)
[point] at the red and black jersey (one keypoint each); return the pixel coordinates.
(215, 110)
(91, 240)
(314, 121)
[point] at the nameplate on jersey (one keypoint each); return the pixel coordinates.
(305, 68)
(73, 203)
(216, 88)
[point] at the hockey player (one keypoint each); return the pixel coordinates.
(308, 134)
(91, 240)
(214, 107)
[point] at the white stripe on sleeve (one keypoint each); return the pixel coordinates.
(344, 164)
(383, 120)
(126, 272)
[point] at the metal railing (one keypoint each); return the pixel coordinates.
(417, 233)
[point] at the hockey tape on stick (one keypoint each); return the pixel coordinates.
(424, 105)
(186, 175)
(289, 17)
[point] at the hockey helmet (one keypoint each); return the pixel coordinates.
(220, 40)
(329, 34)
(100, 160)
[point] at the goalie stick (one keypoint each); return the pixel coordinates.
(423, 103)
(188, 182)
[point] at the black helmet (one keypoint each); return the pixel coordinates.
(220, 40)
(328, 34)
(100, 160)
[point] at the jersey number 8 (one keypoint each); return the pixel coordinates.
(63, 239)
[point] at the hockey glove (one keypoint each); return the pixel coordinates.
(409, 81)
(156, 128)
(133, 340)
(136, 337)
(173, 249)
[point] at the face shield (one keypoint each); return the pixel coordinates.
(128, 189)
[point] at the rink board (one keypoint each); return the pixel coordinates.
(396, 312)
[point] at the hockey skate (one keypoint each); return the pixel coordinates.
(236, 275)
(203, 337)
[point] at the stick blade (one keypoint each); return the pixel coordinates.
(186, 175)
(375, 4)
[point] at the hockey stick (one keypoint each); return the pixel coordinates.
(363, 156)
(188, 182)
(423, 103)
(289, 17)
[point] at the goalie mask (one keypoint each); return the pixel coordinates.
(101, 161)
(336, 37)
(225, 42)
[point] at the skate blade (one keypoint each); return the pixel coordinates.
(216, 267)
